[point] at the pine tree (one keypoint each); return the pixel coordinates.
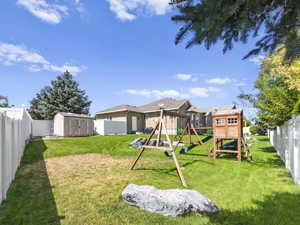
(231, 21)
(64, 95)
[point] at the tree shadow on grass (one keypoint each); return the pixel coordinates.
(276, 209)
(171, 171)
(30, 199)
(268, 149)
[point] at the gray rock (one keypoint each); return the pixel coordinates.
(172, 202)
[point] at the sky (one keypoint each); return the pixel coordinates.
(120, 52)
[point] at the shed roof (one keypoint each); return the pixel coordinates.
(166, 103)
(66, 114)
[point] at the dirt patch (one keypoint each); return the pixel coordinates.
(71, 164)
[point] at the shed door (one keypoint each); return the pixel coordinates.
(75, 127)
(83, 127)
(134, 123)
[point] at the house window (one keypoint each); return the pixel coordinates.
(232, 121)
(220, 122)
(109, 118)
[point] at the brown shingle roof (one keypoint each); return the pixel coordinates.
(227, 111)
(166, 103)
(119, 108)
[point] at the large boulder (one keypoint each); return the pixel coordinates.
(172, 202)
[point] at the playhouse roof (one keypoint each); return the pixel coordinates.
(227, 112)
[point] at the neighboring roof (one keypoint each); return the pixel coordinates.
(226, 112)
(74, 115)
(211, 109)
(165, 103)
(3, 98)
(119, 108)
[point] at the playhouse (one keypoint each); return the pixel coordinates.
(228, 125)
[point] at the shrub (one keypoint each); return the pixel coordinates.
(253, 130)
(296, 110)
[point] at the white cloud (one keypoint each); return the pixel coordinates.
(202, 92)
(186, 76)
(51, 13)
(213, 89)
(11, 54)
(191, 92)
(218, 80)
(80, 7)
(199, 92)
(157, 93)
(129, 9)
(257, 60)
(183, 76)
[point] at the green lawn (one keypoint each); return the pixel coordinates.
(84, 186)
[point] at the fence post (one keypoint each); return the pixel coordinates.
(297, 149)
(1, 158)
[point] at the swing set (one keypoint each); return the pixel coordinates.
(169, 146)
(226, 125)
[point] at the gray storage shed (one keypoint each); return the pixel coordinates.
(73, 125)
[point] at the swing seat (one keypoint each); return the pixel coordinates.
(169, 154)
(207, 138)
(187, 149)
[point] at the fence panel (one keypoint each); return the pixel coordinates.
(286, 141)
(15, 132)
(107, 127)
(42, 128)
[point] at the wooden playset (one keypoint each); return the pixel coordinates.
(170, 145)
(228, 125)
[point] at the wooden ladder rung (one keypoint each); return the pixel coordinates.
(158, 148)
(227, 151)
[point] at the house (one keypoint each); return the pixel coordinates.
(73, 125)
(137, 118)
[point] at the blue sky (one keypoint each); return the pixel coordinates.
(120, 51)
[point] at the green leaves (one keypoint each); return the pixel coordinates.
(274, 100)
(63, 95)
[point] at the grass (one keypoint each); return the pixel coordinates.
(84, 187)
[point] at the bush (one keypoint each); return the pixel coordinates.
(296, 110)
(253, 130)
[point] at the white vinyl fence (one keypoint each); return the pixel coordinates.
(108, 127)
(286, 141)
(42, 128)
(15, 131)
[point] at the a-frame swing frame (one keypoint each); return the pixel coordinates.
(159, 127)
